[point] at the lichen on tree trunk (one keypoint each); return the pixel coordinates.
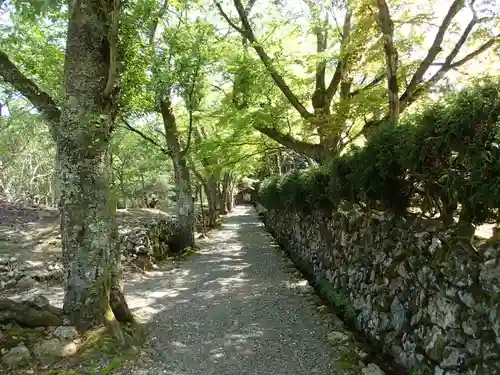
(185, 204)
(89, 237)
(88, 225)
(86, 237)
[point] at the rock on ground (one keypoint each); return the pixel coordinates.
(17, 356)
(66, 333)
(372, 369)
(25, 283)
(52, 349)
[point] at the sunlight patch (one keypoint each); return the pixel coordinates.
(179, 345)
(169, 293)
(244, 350)
(230, 267)
(216, 354)
(235, 226)
(135, 302)
(146, 313)
(242, 337)
(239, 278)
(206, 295)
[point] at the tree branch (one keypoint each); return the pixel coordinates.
(156, 19)
(321, 41)
(228, 20)
(391, 58)
(444, 69)
(370, 85)
(190, 132)
(321, 32)
(249, 6)
(340, 68)
(247, 32)
(190, 105)
(40, 99)
(240, 159)
(147, 138)
(435, 48)
(410, 97)
(312, 150)
(113, 20)
(490, 43)
(197, 173)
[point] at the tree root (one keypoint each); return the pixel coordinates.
(119, 306)
(121, 322)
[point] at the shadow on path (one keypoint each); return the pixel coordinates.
(230, 311)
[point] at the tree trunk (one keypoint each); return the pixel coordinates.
(88, 225)
(227, 191)
(88, 230)
(391, 59)
(185, 203)
(210, 188)
(465, 228)
(56, 191)
(221, 207)
(212, 198)
(229, 199)
(202, 211)
(278, 163)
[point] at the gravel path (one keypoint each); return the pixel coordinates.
(230, 311)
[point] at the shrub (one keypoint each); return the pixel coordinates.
(444, 160)
(378, 173)
(268, 192)
(454, 153)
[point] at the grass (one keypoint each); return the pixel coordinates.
(339, 301)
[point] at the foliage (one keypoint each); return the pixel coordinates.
(444, 160)
(27, 162)
(26, 155)
(333, 67)
(139, 169)
(459, 149)
(35, 40)
(212, 70)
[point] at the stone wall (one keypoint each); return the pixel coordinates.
(428, 300)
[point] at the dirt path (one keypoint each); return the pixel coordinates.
(231, 311)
